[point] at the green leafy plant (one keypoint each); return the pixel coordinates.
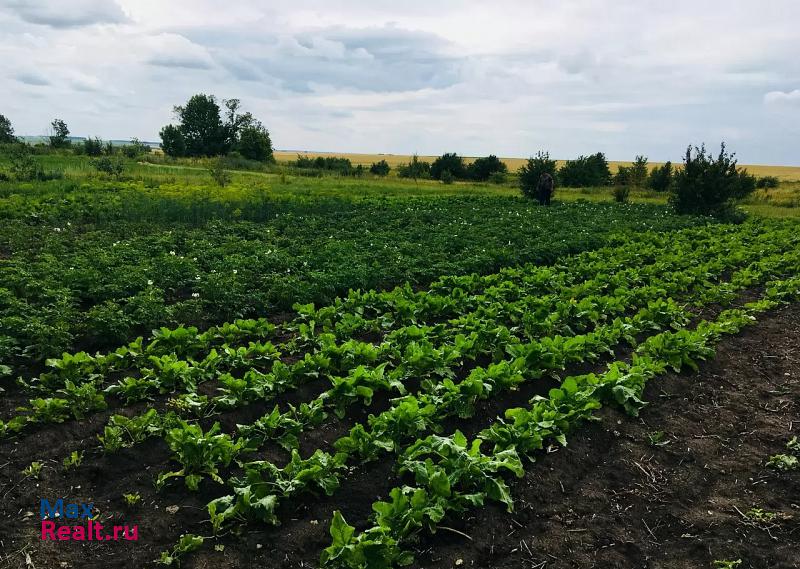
(33, 470)
(186, 544)
(132, 499)
(73, 460)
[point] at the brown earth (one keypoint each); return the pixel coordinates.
(610, 499)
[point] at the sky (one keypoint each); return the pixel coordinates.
(572, 77)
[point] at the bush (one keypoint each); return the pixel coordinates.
(498, 178)
(135, 149)
(660, 179)
(621, 193)
(450, 162)
(25, 168)
(623, 176)
(415, 169)
(109, 165)
(531, 171)
(380, 168)
(93, 146)
(331, 163)
(710, 186)
(585, 171)
(218, 172)
(766, 182)
(447, 177)
(482, 168)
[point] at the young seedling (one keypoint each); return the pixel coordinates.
(783, 462)
(34, 470)
(656, 439)
(73, 460)
(186, 544)
(727, 564)
(132, 499)
(761, 516)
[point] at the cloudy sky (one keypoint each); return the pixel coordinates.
(502, 77)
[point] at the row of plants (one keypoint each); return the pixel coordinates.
(265, 485)
(452, 475)
(450, 297)
(168, 373)
(87, 266)
(413, 415)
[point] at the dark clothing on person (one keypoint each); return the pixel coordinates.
(544, 189)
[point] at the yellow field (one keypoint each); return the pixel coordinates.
(785, 173)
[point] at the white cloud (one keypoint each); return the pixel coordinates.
(507, 77)
(782, 98)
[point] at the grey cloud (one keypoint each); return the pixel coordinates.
(380, 59)
(67, 13)
(32, 78)
(186, 61)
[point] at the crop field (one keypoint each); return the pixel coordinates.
(370, 373)
(299, 373)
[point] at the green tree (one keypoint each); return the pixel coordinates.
(60, 132)
(482, 169)
(93, 146)
(639, 172)
(660, 179)
(201, 126)
(415, 169)
(448, 162)
(254, 143)
(585, 171)
(532, 170)
(710, 186)
(172, 141)
(380, 168)
(6, 131)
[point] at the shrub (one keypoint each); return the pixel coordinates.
(380, 168)
(483, 168)
(498, 178)
(449, 162)
(623, 176)
(531, 171)
(660, 179)
(585, 171)
(218, 172)
(415, 169)
(710, 186)
(93, 146)
(109, 165)
(766, 182)
(447, 177)
(25, 168)
(621, 193)
(135, 149)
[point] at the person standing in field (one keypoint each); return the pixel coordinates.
(544, 189)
